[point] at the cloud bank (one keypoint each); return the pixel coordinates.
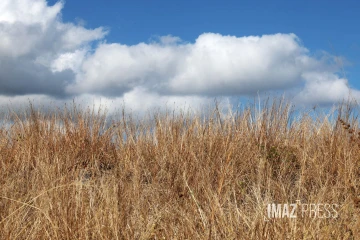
(46, 59)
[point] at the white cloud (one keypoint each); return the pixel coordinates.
(68, 60)
(220, 64)
(325, 88)
(138, 101)
(214, 65)
(32, 27)
(28, 12)
(115, 69)
(48, 59)
(39, 53)
(169, 39)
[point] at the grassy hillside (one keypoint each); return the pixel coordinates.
(69, 174)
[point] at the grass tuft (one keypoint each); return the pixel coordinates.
(75, 174)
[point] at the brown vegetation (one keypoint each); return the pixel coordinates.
(68, 174)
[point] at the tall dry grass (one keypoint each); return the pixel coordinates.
(70, 174)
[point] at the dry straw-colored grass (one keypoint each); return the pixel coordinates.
(68, 174)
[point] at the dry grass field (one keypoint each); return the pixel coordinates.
(70, 174)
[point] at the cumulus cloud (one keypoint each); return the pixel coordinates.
(215, 65)
(228, 65)
(43, 57)
(115, 69)
(325, 88)
(34, 45)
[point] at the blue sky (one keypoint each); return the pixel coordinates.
(322, 25)
(99, 55)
